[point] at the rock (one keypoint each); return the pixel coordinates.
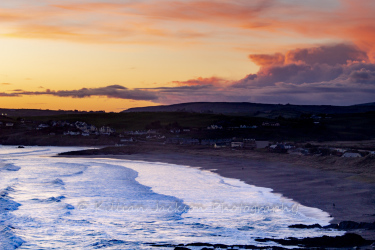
(350, 225)
(199, 244)
(301, 226)
(344, 225)
(347, 240)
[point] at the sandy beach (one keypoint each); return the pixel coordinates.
(343, 193)
(340, 194)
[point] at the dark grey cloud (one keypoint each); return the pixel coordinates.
(182, 89)
(8, 94)
(330, 55)
(112, 91)
(291, 73)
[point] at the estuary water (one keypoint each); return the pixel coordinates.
(74, 203)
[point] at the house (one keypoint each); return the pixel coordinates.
(236, 144)
(274, 146)
(152, 131)
(298, 151)
(127, 140)
(72, 133)
(215, 127)
(41, 126)
(249, 143)
(245, 126)
(351, 155)
(262, 144)
(288, 146)
(220, 145)
(175, 140)
(338, 151)
(190, 141)
(278, 148)
(271, 124)
(105, 130)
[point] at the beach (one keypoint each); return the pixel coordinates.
(187, 195)
(346, 193)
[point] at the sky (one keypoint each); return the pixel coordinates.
(116, 54)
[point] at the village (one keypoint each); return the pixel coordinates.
(183, 136)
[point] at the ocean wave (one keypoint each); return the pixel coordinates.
(50, 199)
(58, 182)
(108, 243)
(8, 240)
(6, 204)
(9, 167)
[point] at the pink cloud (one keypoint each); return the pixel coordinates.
(203, 81)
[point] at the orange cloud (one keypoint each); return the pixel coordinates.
(202, 81)
(267, 60)
(352, 21)
(168, 21)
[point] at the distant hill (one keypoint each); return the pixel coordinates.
(366, 104)
(256, 109)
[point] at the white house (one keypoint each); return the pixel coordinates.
(72, 133)
(105, 130)
(351, 155)
(43, 126)
(215, 127)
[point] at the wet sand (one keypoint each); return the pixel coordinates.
(334, 192)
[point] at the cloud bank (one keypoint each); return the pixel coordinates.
(112, 91)
(338, 74)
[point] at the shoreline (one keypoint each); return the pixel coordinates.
(345, 198)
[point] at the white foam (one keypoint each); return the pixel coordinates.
(107, 201)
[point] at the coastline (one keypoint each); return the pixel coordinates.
(345, 198)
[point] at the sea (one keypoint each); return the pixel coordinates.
(51, 202)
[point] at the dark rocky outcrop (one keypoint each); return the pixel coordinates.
(344, 225)
(347, 240)
(302, 226)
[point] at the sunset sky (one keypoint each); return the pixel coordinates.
(115, 54)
